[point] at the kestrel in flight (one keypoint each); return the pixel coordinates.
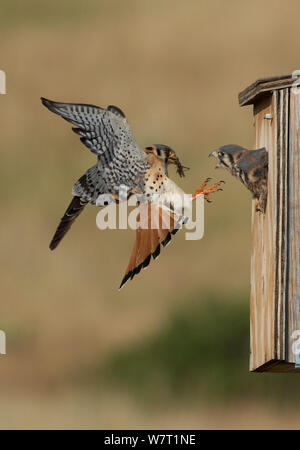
(249, 166)
(121, 162)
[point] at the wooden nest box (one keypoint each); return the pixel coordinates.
(275, 257)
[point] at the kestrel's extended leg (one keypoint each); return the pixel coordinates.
(202, 191)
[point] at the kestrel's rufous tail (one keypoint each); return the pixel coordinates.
(156, 225)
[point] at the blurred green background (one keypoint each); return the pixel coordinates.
(171, 349)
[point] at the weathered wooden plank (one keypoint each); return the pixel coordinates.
(269, 239)
(263, 244)
(293, 285)
(281, 98)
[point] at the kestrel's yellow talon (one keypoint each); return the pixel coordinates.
(200, 189)
(209, 190)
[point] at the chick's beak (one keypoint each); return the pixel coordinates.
(215, 154)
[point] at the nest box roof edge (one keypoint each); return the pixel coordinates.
(264, 86)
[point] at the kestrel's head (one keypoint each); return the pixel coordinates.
(228, 156)
(163, 152)
(166, 155)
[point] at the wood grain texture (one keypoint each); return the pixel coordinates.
(262, 303)
(275, 256)
(281, 100)
(293, 294)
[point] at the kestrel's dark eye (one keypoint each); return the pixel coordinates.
(221, 153)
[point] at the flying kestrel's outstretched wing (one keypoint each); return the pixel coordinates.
(74, 209)
(121, 162)
(107, 134)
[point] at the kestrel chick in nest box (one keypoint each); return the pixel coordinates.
(249, 166)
